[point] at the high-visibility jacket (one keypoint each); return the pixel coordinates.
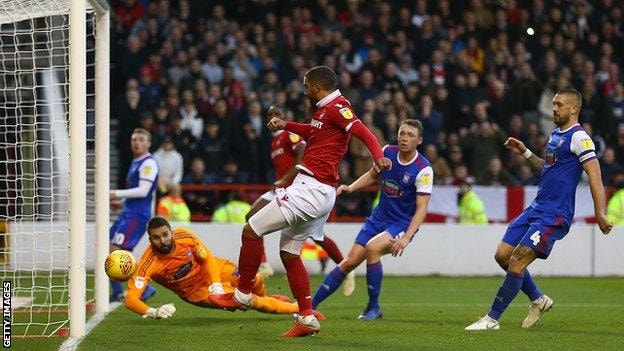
(232, 212)
(174, 209)
(615, 208)
(471, 209)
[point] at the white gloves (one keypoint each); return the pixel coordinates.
(216, 289)
(164, 311)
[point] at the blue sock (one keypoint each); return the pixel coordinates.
(328, 286)
(147, 293)
(117, 288)
(529, 287)
(374, 274)
(506, 294)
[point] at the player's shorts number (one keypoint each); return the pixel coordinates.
(119, 238)
(535, 237)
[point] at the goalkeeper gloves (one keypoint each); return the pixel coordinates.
(216, 289)
(164, 311)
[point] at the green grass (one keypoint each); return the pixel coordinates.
(420, 313)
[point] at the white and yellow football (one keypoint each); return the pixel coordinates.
(120, 265)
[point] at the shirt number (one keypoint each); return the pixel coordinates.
(536, 238)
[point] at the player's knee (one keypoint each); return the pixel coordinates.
(348, 264)
(502, 259)
(249, 232)
(287, 256)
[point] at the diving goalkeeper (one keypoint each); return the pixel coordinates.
(179, 261)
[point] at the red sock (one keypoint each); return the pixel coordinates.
(251, 253)
(332, 250)
(299, 285)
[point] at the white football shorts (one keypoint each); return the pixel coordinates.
(301, 210)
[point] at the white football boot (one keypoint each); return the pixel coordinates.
(485, 323)
(536, 309)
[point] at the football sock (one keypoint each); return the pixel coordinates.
(529, 287)
(506, 294)
(332, 249)
(148, 292)
(117, 288)
(329, 285)
(251, 252)
(374, 275)
(299, 284)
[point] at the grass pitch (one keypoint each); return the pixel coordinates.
(420, 313)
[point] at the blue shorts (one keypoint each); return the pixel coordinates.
(538, 230)
(128, 230)
(373, 227)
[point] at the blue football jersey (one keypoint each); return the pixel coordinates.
(400, 185)
(143, 168)
(565, 154)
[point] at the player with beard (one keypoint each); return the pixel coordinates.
(178, 260)
(569, 152)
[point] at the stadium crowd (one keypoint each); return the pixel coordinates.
(200, 76)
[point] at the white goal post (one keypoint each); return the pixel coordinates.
(54, 161)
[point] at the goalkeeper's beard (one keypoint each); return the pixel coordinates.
(165, 249)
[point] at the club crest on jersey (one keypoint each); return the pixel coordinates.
(346, 112)
(391, 188)
(406, 178)
(316, 124)
(550, 157)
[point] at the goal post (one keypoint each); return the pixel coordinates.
(54, 161)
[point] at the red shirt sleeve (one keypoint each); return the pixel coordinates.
(360, 131)
(299, 128)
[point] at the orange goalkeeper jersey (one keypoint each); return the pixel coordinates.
(188, 267)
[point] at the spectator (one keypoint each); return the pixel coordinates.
(431, 120)
(609, 167)
(170, 165)
(471, 208)
(233, 211)
(495, 174)
(198, 201)
(439, 165)
(172, 206)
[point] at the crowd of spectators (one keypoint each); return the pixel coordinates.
(201, 74)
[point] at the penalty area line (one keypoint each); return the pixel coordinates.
(71, 344)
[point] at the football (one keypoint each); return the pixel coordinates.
(120, 265)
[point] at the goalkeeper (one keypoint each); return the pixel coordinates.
(179, 261)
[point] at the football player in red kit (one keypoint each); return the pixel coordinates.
(302, 208)
(286, 152)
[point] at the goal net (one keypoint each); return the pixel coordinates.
(36, 157)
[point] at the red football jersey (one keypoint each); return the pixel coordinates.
(329, 138)
(283, 145)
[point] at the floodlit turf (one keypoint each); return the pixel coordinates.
(420, 313)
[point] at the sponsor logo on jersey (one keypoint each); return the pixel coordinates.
(550, 157)
(182, 271)
(346, 112)
(391, 188)
(316, 124)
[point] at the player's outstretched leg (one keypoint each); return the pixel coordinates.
(251, 252)
(374, 276)
(329, 245)
(536, 310)
(307, 323)
(329, 285)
